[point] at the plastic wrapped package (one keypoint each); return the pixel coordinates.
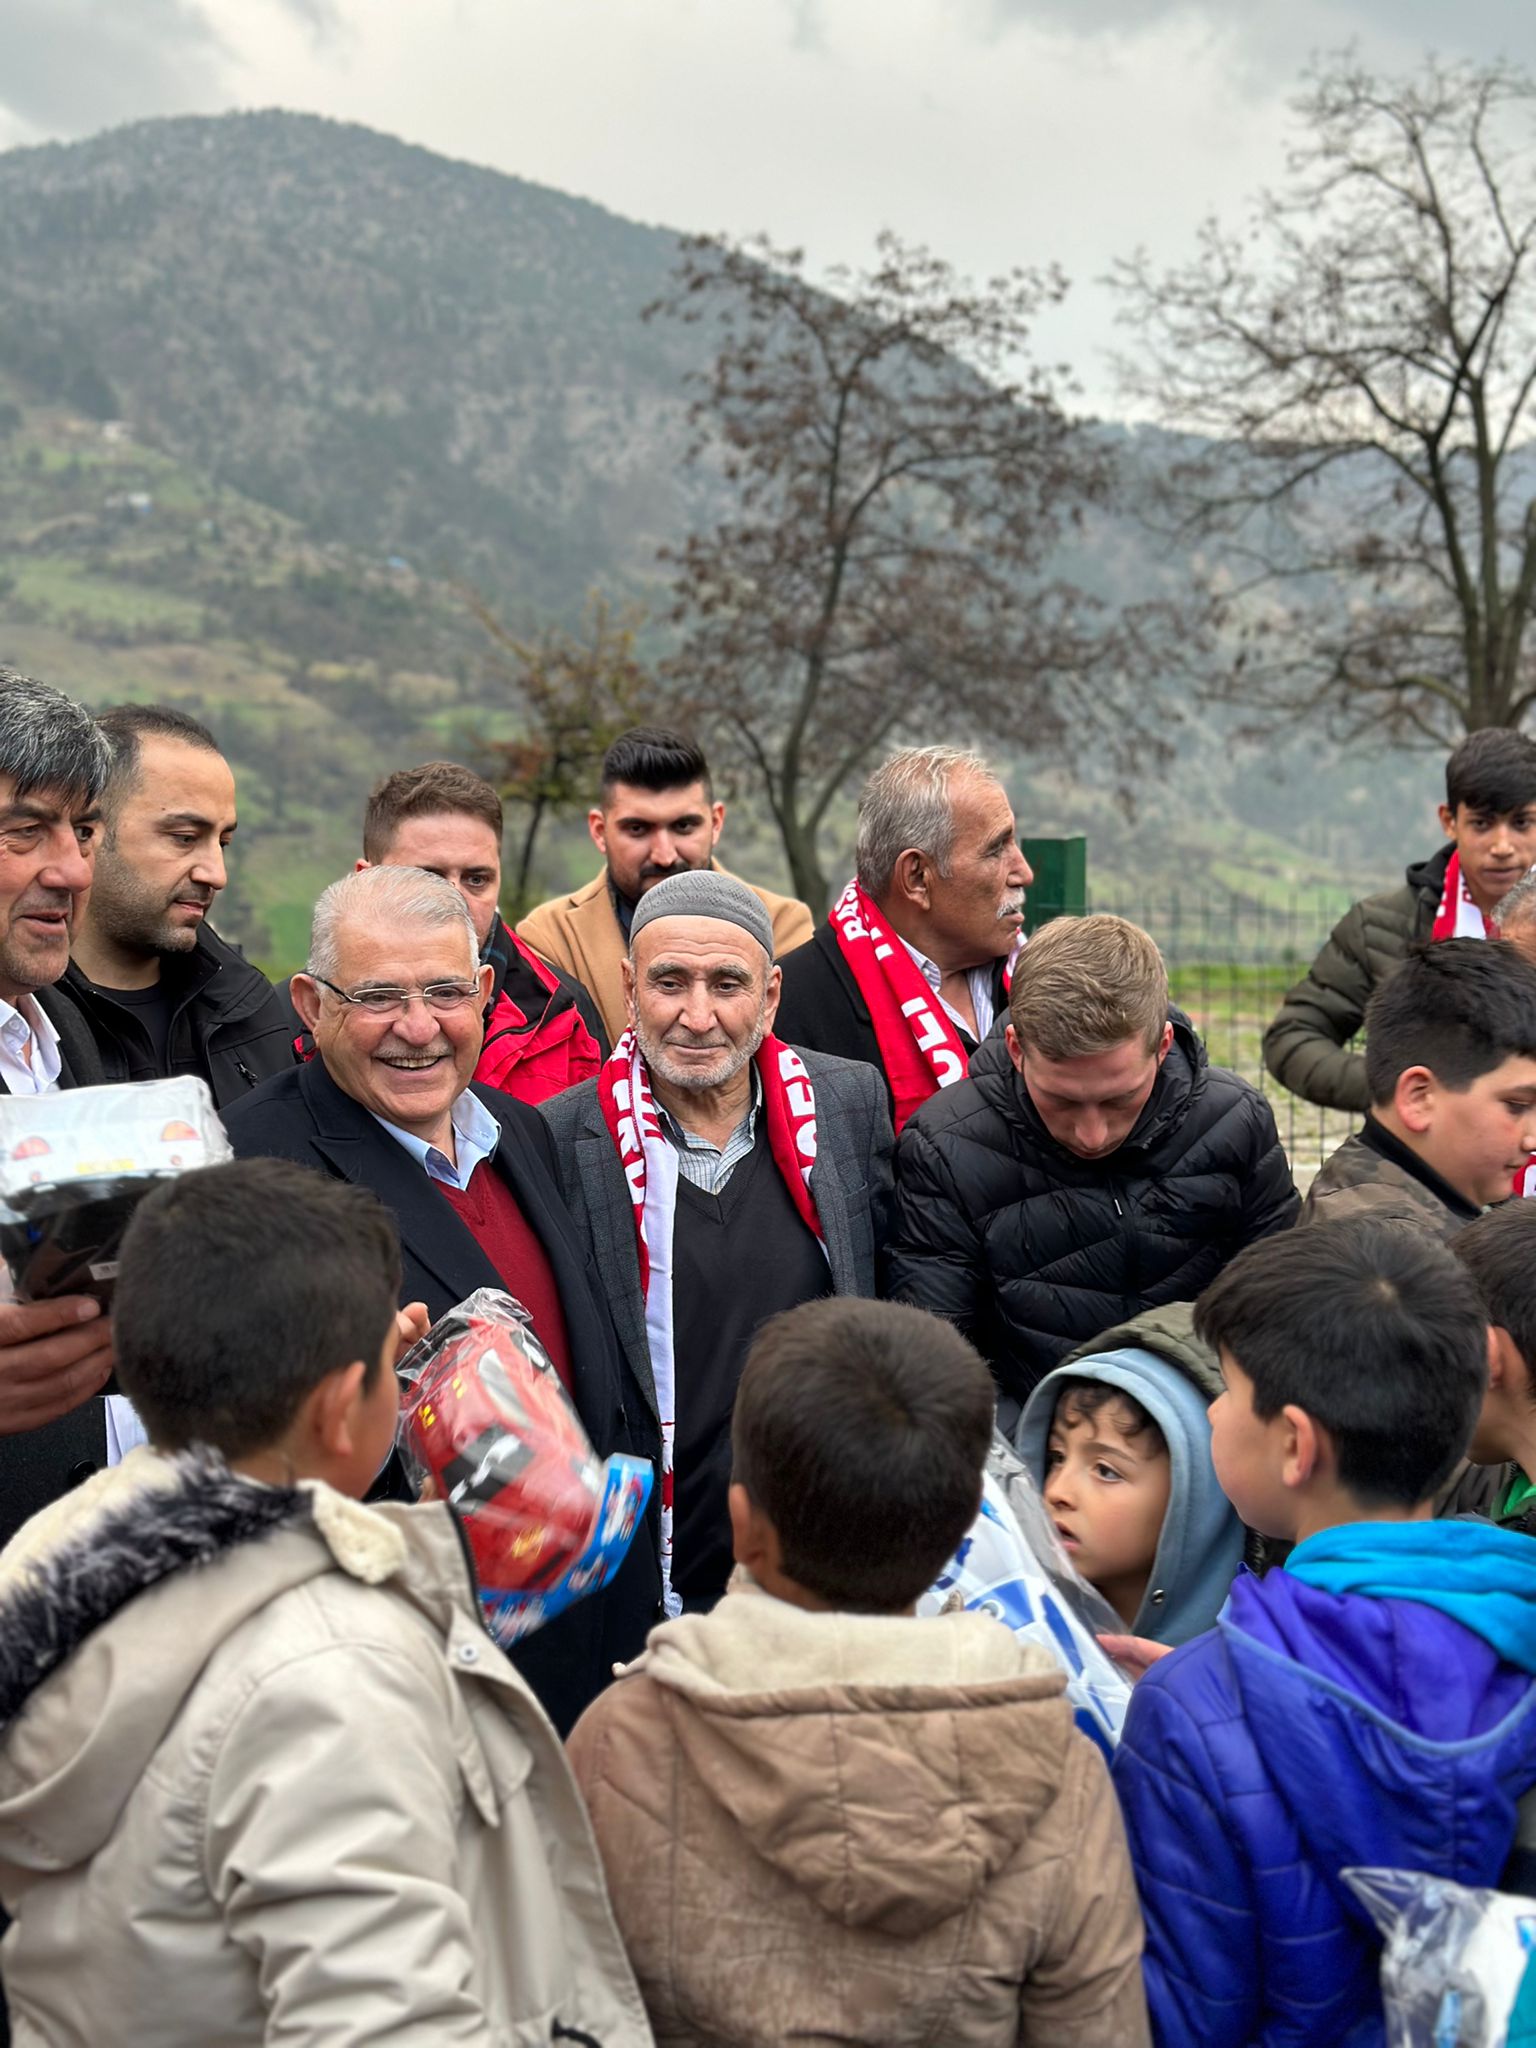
(486, 1425)
(1012, 1566)
(74, 1166)
(1456, 1965)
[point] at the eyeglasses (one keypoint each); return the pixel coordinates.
(439, 996)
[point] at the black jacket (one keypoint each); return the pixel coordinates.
(229, 1027)
(1030, 1250)
(302, 1115)
(820, 1005)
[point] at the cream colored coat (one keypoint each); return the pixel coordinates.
(832, 1828)
(295, 1795)
(580, 933)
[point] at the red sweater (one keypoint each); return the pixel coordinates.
(489, 1208)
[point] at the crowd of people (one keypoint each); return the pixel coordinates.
(808, 1216)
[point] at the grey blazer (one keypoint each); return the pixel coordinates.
(851, 1182)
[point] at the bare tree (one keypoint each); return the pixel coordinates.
(577, 692)
(900, 479)
(1363, 355)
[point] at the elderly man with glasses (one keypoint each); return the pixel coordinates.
(393, 995)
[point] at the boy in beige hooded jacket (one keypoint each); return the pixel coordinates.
(823, 1819)
(263, 1775)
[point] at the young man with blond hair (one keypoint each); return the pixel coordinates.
(1091, 1165)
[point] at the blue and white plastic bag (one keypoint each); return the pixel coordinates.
(1456, 1962)
(1026, 1582)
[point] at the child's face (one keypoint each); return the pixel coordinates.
(1480, 1136)
(1496, 848)
(373, 1422)
(1106, 1487)
(1248, 1455)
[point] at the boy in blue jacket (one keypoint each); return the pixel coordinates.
(1374, 1701)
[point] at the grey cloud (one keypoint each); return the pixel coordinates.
(70, 66)
(1283, 37)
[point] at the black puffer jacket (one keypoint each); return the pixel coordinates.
(1305, 1046)
(1030, 1250)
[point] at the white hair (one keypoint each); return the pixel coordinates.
(908, 802)
(1518, 904)
(404, 896)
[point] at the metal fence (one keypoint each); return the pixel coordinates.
(1231, 959)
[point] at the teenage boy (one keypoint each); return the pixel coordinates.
(1489, 819)
(1119, 1442)
(253, 1737)
(891, 1830)
(1451, 1065)
(1499, 1251)
(1371, 1702)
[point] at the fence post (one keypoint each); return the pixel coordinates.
(1060, 887)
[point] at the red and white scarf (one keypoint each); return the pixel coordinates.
(1458, 917)
(920, 1049)
(650, 1168)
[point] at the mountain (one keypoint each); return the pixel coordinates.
(272, 388)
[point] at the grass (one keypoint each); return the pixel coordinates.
(65, 593)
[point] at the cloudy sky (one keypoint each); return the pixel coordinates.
(998, 131)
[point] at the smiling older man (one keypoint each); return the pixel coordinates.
(719, 1176)
(393, 995)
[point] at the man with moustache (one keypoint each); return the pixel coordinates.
(153, 985)
(911, 968)
(718, 1176)
(394, 996)
(656, 816)
(55, 1356)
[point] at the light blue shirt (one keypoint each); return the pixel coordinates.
(476, 1133)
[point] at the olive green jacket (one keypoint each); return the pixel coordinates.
(1305, 1048)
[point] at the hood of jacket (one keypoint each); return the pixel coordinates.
(1427, 877)
(898, 1769)
(1421, 1728)
(108, 1615)
(1179, 1085)
(1201, 1544)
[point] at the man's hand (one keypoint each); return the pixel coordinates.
(53, 1356)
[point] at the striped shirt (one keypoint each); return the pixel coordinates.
(710, 1166)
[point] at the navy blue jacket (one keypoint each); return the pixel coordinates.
(1310, 1731)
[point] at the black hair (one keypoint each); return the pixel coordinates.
(240, 1288)
(49, 743)
(127, 726)
(650, 757)
(1460, 1008)
(1080, 1399)
(1493, 770)
(861, 1429)
(1499, 1251)
(1375, 1331)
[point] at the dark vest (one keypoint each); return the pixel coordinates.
(737, 1257)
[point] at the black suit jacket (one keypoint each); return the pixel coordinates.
(302, 1115)
(40, 1464)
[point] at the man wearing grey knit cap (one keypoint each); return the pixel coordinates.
(719, 1176)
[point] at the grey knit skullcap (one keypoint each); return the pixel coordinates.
(704, 892)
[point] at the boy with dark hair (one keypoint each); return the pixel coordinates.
(252, 1733)
(1451, 1064)
(1489, 818)
(656, 815)
(543, 1033)
(1119, 1443)
(1499, 1251)
(821, 1817)
(1372, 1702)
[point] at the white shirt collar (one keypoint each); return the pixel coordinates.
(19, 1022)
(476, 1133)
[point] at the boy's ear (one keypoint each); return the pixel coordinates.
(331, 1410)
(754, 1539)
(1414, 1099)
(1306, 1451)
(1509, 1370)
(1447, 821)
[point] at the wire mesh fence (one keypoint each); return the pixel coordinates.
(1230, 961)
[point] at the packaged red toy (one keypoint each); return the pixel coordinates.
(485, 1420)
